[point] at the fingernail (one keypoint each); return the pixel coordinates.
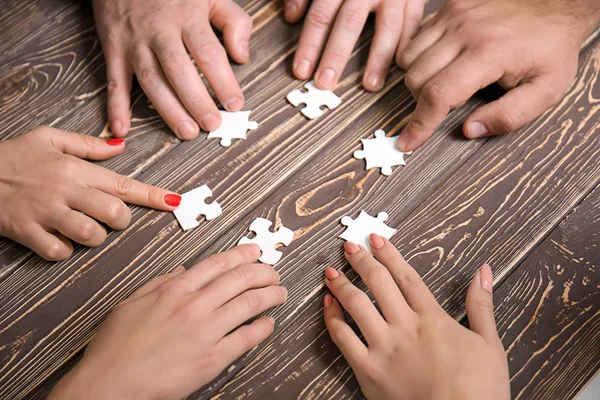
(402, 142)
(376, 241)
(486, 278)
(172, 200)
(117, 127)
(243, 47)
(374, 80)
(331, 273)
(210, 122)
(476, 130)
(328, 300)
(283, 290)
(115, 141)
(271, 320)
(302, 69)
(290, 8)
(179, 269)
(187, 130)
(326, 78)
(235, 104)
(351, 248)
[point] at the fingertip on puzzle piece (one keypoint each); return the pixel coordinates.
(193, 205)
(313, 99)
(381, 152)
(359, 229)
(234, 125)
(267, 240)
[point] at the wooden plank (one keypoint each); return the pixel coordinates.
(495, 207)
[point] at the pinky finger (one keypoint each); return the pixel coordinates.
(353, 349)
(51, 247)
(243, 339)
(119, 76)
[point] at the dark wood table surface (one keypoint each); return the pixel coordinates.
(527, 203)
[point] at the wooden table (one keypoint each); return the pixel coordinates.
(527, 203)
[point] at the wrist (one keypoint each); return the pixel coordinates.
(82, 382)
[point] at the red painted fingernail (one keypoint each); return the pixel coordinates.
(115, 141)
(351, 248)
(331, 273)
(173, 200)
(328, 300)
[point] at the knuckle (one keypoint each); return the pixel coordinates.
(408, 278)
(117, 214)
(358, 300)
(247, 338)
(123, 185)
(376, 275)
(88, 230)
(174, 62)
(319, 17)
(245, 273)
(412, 81)
(207, 53)
(390, 22)
(433, 92)
(55, 252)
(148, 77)
(254, 302)
(219, 261)
(113, 86)
(510, 118)
(352, 17)
(69, 166)
(484, 302)
(464, 29)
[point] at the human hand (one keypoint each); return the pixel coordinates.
(336, 26)
(529, 47)
(151, 39)
(178, 332)
(415, 350)
(48, 193)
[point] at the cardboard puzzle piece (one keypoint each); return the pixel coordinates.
(193, 205)
(267, 240)
(314, 99)
(234, 125)
(359, 229)
(381, 152)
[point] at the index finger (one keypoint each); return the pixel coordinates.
(452, 86)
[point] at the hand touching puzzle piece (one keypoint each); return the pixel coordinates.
(193, 205)
(359, 229)
(314, 99)
(267, 240)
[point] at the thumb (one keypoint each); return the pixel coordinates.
(84, 146)
(515, 109)
(480, 306)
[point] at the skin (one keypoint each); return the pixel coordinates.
(413, 349)
(179, 331)
(530, 48)
(151, 39)
(332, 28)
(49, 194)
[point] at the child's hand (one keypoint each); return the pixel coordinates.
(529, 48)
(151, 39)
(415, 350)
(335, 25)
(48, 193)
(178, 332)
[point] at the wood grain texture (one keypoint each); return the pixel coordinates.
(457, 202)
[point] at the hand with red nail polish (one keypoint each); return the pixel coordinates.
(151, 39)
(414, 349)
(179, 331)
(530, 49)
(49, 194)
(333, 28)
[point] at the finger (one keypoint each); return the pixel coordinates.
(129, 190)
(236, 25)
(83, 146)
(416, 293)
(294, 10)
(79, 227)
(47, 245)
(388, 27)
(379, 280)
(353, 349)
(102, 207)
(424, 40)
(246, 306)
(119, 72)
(516, 108)
(154, 283)
(243, 339)
(449, 88)
(358, 305)
(218, 264)
(238, 280)
(480, 306)
(186, 81)
(431, 62)
(212, 60)
(161, 94)
(413, 15)
(317, 25)
(349, 23)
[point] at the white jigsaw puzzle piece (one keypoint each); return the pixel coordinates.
(314, 99)
(193, 205)
(267, 240)
(359, 229)
(234, 125)
(381, 152)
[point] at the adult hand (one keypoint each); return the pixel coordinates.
(151, 39)
(530, 48)
(48, 193)
(415, 350)
(335, 25)
(179, 331)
